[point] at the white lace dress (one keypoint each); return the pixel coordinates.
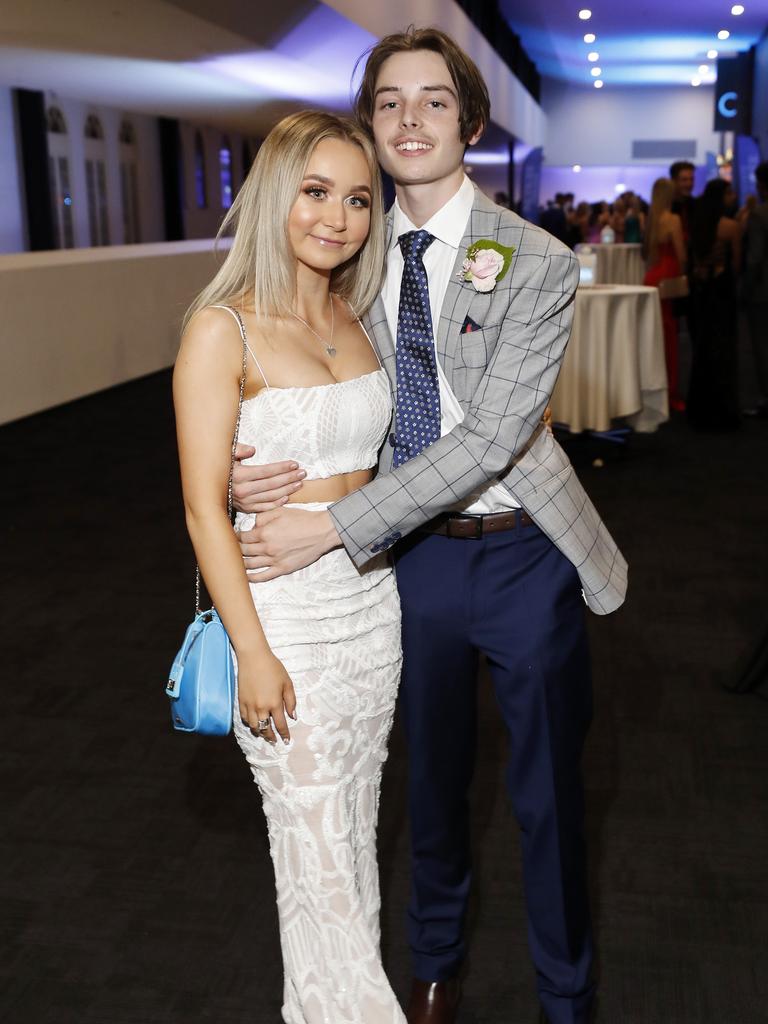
(337, 631)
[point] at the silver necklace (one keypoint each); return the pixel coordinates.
(328, 345)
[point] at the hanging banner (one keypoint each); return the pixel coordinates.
(733, 94)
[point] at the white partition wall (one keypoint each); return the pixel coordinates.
(78, 321)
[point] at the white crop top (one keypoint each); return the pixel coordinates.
(327, 428)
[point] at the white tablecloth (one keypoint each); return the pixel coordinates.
(617, 263)
(614, 363)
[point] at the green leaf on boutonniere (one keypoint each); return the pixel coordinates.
(507, 251)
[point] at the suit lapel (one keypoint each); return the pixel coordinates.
(379, 331)
(378, 327)
(459, 294)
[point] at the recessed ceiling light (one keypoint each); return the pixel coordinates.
(596, 72)
(723, 33)
(576, 168)
(590, 37)
(695, 81)
(620, 187)
(593, 56)
(703, 69)
(584, 14)
(737, 9)
(712, 54)
(599, 83)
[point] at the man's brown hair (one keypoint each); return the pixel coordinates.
(471, 90)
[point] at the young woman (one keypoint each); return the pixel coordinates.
(665, 252)
(318, 651)
(713, 318)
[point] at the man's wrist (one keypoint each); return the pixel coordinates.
(330, 535)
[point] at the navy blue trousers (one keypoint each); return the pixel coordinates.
(515, 598)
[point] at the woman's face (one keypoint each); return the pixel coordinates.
(331, 216)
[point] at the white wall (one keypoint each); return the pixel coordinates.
(11, 218)
(591, 126)
(109, 315)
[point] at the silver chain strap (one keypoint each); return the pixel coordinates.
(234, 445)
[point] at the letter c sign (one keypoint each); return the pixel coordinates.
(726, 105)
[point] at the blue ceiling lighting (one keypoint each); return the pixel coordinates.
(653, 43)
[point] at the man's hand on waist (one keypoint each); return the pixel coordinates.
(284, 540)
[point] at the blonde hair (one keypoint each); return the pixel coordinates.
(261, 265)
(662, 196)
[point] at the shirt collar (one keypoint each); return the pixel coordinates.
(447, 225)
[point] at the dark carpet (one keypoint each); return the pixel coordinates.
(136, 886)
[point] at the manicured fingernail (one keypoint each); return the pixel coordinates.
(286, 741)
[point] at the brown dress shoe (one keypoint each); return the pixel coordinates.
(434, 1002)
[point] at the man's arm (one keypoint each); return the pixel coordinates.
(505, 409)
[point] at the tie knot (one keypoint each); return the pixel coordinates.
(415, 243)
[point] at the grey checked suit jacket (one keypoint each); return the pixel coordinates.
(502, 376)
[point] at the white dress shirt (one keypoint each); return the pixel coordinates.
(448, 226)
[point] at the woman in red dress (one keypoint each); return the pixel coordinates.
(666, 256)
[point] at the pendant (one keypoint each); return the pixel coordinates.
(330, 350)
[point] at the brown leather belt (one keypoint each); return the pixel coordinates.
(473, 527)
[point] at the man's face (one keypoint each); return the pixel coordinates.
(684, 183)
(416, 119)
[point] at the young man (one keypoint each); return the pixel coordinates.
(682, 173)
(495, 541)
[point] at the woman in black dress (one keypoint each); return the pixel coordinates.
(713, 317)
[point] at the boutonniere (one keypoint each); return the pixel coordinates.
(486, 263)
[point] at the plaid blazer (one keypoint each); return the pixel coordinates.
(502, 375)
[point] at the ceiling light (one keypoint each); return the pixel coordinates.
(723, 33)
(584, 14)
(576, 168)
(620, 187)
(737, 9)
(695, 81)
(590, 37)
(593, 56)
(596, 72)
(599, 83)
(703, 69)
(712, 54)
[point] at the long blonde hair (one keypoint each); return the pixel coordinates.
(662, 195)
(261, 266)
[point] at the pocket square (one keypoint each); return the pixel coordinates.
(469, 325)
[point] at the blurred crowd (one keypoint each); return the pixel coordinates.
(709, 258)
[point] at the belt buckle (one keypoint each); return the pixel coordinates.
(478, 524)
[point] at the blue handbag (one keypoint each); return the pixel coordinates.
(201, 683)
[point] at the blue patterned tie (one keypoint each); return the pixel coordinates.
(417, 411)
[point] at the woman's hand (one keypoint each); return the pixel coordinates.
(262, 488)
(265, 692)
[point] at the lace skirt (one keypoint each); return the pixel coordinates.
(336, 630)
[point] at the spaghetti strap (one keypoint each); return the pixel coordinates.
(241, 326)
(362, 325)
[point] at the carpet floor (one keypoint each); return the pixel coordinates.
(136, 886)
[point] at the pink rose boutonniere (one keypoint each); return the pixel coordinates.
(486, 263)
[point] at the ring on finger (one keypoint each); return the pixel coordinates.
(262, 724)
